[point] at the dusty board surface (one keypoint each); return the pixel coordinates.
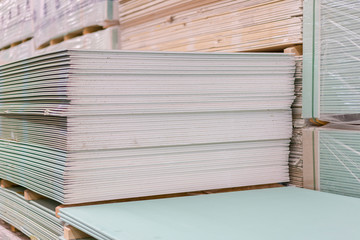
(236, 215)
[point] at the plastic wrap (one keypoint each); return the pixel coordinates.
(19, 52)
(332, 55)
(16, 21)
(107, 39)
(332, 159)
(54, 19)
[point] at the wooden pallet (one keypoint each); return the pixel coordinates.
(80, 32)
(14, 44)
(14, 230)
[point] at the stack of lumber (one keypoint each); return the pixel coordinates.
(318, 216)
(144, 123)
(56, 21)
(16, 22)
(106, 39)
(35, 218)
(332, 159)
(332, 56)
(210, 25)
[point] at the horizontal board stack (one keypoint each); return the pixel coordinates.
(153, 123)
(107, 39)
(16, 30)
(34, 217)
(57, 21)
(242, 214)
(16, 22)
(210, 25)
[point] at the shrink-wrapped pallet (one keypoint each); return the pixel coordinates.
(56, 19)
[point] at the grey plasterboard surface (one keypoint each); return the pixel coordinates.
(256, 214)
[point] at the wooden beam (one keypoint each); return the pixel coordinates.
(7, 184)
(297, 50)
(71, 233)
(30, 195)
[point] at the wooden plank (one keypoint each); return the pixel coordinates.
(71, 233)
(30, 195)
(7, 184)
(13, 229)
(296, 50)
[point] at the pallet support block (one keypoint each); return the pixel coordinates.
(71, 233)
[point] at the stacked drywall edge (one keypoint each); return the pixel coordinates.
(59, 20)
(16, 21)
(35, 218)
(56, 25)
(331, 56)
(242, 214)
(209, 25)
(107, 39)
(296, 145)
(143, 128)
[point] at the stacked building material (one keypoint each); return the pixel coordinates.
(332, 159)
(35, 218)
(210, 25)
(331, 89)
(296, 145)
(331, 93)
(242, 214)
(106, 39)
(144, 123)
(16, 22)
(61, 20)
(22, 51)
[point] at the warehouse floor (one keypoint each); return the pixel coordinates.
(6, 234)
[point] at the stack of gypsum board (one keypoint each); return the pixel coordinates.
(16, 21)
(144, 123)
(196, 217)
(35, 218)
(331, 159)
(107, 39)
(56, 19)
(296, 149)
(331, 57)
(210, 25)
(18, 52)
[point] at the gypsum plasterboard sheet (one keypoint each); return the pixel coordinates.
(13, 100)
(43, 168)
(150, 130)
(34, 218)
(339, 161)
(209, 163)
(197, 217)
(48, 179)
(332, 78)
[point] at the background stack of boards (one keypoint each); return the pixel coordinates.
(33, 28)
(332, 94)
(202, 25)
